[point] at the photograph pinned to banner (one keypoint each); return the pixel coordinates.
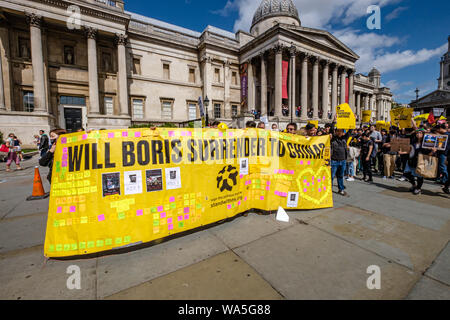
(111, 184)
(292, 200)
(132, 182)
(173, 178)
(154, 180)
(243, 166)
(431, 141)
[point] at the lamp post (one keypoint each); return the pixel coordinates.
(206, 102)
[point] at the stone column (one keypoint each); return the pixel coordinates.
(122, 79)
(334, 90)
(251, 86)
(278, 80)
(315, 88)
(207, 84)
(351, 82)
(263, 84)
(35, 23)
(94, 103)
(304, 93)
(292, 67)
(227, 83)
(343, 78)
(325, 93)
(2, 89)
(358, 105)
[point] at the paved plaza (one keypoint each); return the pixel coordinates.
(320, 254)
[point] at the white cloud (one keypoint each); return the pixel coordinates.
(394, 14)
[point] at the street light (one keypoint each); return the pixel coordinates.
(206, 102)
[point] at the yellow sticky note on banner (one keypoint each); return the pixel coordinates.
(345, 117)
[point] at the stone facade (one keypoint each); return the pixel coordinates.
(118, 68)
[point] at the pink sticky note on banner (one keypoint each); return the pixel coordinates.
(305, 190)
(169, 220)
(124, 134)
(73, 209)
(137, 134)
(63, 140)
(262, 197)
(172, 199)
(230, 134)
(320, 190)
(268, 188)
(324, 188)
(84, 136)
(140, 212)
(163, 215)
(186, 210)
(111, 135)
(239, 203)
(59, 210)
(65, 157)
(186, 217)
(170, 227)
(291, 172)
(65, 150)
(64, 164)
(180, 218)
(101, 217)
(160, 209)
(309, 163)
(229, 206)
(268, 183)
(301, 162)
(183, 134)
(241, 176)
(220, 134)
(171, 134)
(245, 199)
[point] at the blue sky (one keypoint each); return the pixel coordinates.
(406, 50)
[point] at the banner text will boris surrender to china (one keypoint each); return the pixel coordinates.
(115, 189)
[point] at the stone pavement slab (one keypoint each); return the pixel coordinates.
(25, 275)
(429, 289)
(222, 277)
(440, 270)
(119, 272)
(302, 262)
(413, 246)
(22, 232)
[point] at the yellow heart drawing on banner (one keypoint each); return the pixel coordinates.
(322, 172)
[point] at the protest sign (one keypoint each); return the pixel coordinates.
(401, 117)
(400, 145)
(431, 141)
(315, 123)
(119, 188)
(366, 116)
(345, 117)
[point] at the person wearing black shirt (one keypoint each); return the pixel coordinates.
(44, 144)
(366, 150)
(339, 157)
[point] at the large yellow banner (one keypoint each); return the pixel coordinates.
(401, 117)
(119, 188)
(345, 117)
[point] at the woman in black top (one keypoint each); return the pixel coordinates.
(47, 159)
(366, 150)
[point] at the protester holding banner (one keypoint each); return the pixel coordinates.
(47, 159)
(410, 171)
(339, 154)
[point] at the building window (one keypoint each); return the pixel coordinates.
(234, 80)
(217, 110)
(166, 71)
(138, 108)
(192, 109)
(24, 48)
(69, 55)
(109, 105)
(166, 109)
(74, 101)
(106, 62)
(137, 66)
(234, 110)
(217, 75)
(192, 75)
(28, 101)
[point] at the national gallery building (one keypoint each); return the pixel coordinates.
(92, 64)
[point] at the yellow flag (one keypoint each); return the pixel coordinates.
(380, 125)
(402, 117)
(420, 118)
(345, 117)
(366, 116)
(315, 123)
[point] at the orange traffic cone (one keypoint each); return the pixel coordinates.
(38, 188)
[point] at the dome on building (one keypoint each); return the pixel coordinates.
(275, 8)
(374, 72)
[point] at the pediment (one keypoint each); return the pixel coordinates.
(436, 96)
